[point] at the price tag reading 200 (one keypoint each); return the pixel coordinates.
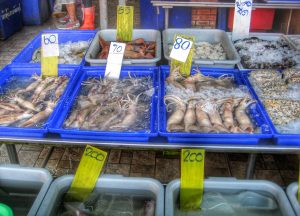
(88, 171)
(181, 49)
(192, 178)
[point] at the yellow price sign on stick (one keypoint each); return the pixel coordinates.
(192, 178)
(49, 55)
(298, 193)
(182, 54)
(87, 174)
(125, 23)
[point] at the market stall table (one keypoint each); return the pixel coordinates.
(158, 144)
(167, 4)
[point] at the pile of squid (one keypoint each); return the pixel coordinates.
(204, 104)
(112, 105)
(137, 49)
(28, 102)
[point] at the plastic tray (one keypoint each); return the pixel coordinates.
(24, 57)
(106, 183)
(279, 138)
(24, 181)
(291, 192)
(212, 138)
(264, 36)
(291, 39)
(61, 114)
(28, 70)
(205, 35)
(111, 34)
(231, 185)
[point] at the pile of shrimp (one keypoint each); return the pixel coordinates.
(203, 104)
(113, 105)
(28, 102)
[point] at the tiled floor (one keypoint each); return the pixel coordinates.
(281, 169)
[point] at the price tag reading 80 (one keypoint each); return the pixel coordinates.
(50, 45)
(181, 49)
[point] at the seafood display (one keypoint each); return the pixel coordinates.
(205, 50)
(69, 53)
(113, 105)
(246, 203)
(29, 101)
(257, 53)
(110, 204)
(206, 104)
(137, 49)
(295, 40)
(280, 94)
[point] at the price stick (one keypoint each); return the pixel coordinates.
(124, 23)
(192, 178)
(298, 193)
(182, 54)
(88, 171)
(114, 60)
(242, 19)
(50, 53)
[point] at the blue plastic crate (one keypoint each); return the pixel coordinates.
(10, 17)
(213, 138)
(24, 57)
(28, 71)
(279, 138)
(35, 12)
(62, 113)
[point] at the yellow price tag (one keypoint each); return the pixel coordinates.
(184, 67)
(49, 54)
(298, 193)
(49, 66)
(87, 174)
(192, 178)
(125, 23)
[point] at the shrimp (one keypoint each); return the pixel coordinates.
(241, 116)
(178, 115)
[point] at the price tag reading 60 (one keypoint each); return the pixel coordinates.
(50, 45)
(181, 49)
(50, 39)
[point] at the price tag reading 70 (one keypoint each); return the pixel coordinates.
(114, 60)
(181, 49)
